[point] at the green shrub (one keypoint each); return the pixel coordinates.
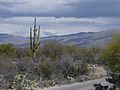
(45, 69)
(111, 59)
(8, 50)
(23, 53)
(111, 55)
(52, 50)
(75, 52)
(76, 69)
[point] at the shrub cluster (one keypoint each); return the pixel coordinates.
(55, 64)
(111, 59)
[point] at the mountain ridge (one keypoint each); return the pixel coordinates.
(82, 39)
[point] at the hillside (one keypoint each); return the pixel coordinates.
(82, 39)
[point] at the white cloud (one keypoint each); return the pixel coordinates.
(59, 8)
(70, 13)
(54, 20)
(57, 26)
(14, 29)
(36, 6)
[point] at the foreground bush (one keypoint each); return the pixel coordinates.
(6, 65)
(111, 55)
(111, 59)
(45, 69)
(52, 50)
(55, 64)
(23, 53)
(22, 81)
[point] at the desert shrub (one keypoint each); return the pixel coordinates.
(90, 55)
(7, 71)
(23, 53)
(23, 81)
(66, 66)
(75, 52)
(75, 69)
(55, 51)
(55, 64)
(70, 50)
(8, 50)
(63, 64)
(71, 68)
(93, 55)
(46, 69)
(111, 59)
(22, 65)
(52, 50)
(111, 55)
(6, 65)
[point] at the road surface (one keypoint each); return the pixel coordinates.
(88, 85)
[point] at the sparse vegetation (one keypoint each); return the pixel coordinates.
(55, 64)
(111, 60)
(111, 55)
(8, 50)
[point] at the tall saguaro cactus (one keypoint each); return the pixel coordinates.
(34, 39)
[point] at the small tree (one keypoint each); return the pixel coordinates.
(35, 40)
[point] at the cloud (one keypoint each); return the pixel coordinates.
(59, 16)
(57, 26)
(60, 8)
(14, 29)
(92, 8)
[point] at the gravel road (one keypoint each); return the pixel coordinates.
(88, 85)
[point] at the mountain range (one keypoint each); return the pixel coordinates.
(82, 39)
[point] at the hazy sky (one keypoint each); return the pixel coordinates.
(57, 17)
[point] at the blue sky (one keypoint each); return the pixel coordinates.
(58, 17)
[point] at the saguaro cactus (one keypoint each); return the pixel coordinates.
(34, 39)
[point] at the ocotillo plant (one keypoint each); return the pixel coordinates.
(34, 39)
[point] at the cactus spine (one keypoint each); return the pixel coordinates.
(34, 39)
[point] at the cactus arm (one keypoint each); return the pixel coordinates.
(35, 24)
(38, 37)
(31, 41)
(34, 39)
(35, 30)
(37, 46)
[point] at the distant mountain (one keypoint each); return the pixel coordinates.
(82, 39)
(9, 38)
